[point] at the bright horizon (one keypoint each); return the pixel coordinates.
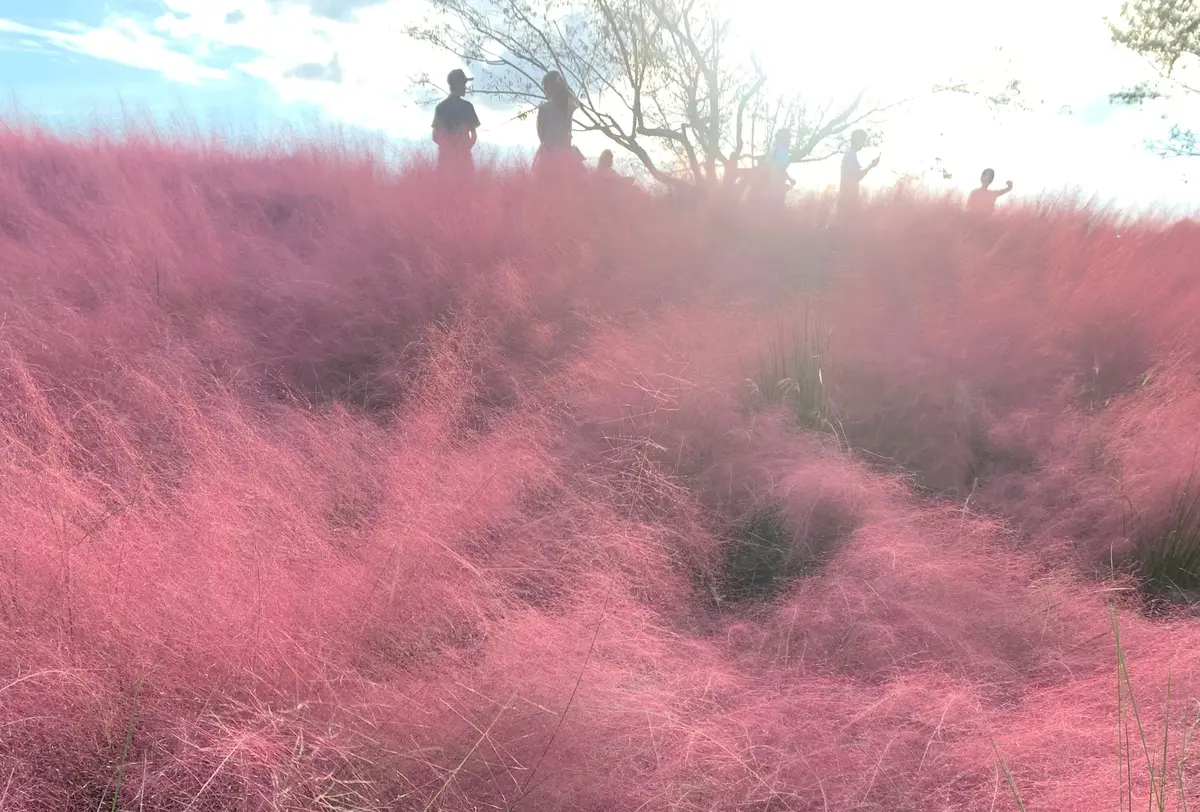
(252, 63)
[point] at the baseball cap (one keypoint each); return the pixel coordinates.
(457, 76)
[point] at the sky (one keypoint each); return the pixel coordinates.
(253, 65)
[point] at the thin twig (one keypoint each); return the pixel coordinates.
(216, 772)
(458, 768)
(7, 784)
(570, 700)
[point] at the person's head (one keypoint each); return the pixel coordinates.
(858, 139)
(554, 85)
(605, 161)
(987, 177)
(783, 138)
(457, 80)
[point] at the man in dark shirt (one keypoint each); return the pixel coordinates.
(455, 125)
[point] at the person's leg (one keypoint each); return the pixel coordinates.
(456, 164)
(848, 208)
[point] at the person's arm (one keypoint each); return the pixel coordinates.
(572, 106)
(541, 124)
(473, 127)
(862, 173)
(437, 129)
(1007, 188)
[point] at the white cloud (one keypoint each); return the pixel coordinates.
(124, 42)
(1059, 47)
(376, 65)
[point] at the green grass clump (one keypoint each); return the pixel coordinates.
(1134, 740)
(763, 556)
(757, 557)
(1167, 556)
(792, 368)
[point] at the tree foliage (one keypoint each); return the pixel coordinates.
(662, 79)
(1167, 33)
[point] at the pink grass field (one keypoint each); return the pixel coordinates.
(330, 486)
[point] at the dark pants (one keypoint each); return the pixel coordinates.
(848, 206)
(456, 160)
(558, 162)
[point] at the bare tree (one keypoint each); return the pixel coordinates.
(662, 79)
(1167, 34)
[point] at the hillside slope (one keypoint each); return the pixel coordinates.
(327, 488)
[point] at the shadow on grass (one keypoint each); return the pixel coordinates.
(763, 556)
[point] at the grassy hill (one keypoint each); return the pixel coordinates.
(330, 488)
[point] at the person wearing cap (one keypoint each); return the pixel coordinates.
(455, 124)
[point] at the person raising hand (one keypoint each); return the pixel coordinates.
(983, 199)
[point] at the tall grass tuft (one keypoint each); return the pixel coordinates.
(1168, 555)
(793, 368)
(1158, 765)
(1163, 784)
(1008, 777)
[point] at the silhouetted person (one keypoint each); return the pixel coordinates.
(853, 174)
(455, 124)
(604, 164)
(983, 199)
(775, 177)
(554, 124)
(608, 176)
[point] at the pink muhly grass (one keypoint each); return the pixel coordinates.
(325, 489)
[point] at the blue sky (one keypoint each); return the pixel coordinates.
(71, 63)
(250, 65)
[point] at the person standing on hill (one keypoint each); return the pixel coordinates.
(983, 199)
(853, 174)
(604, 164)
(455, 125)
(554, 118)
(776, 177)
(607, 174)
